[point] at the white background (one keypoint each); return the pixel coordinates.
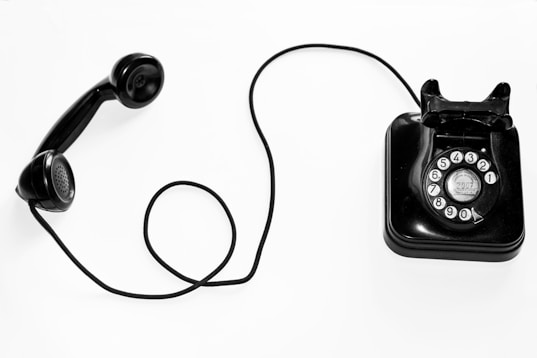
(327, 286)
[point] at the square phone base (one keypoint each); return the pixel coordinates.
(453, 183)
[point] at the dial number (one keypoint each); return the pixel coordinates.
(490, 178)
(433, 189)
(483, 165)
(435, 175)
(439, 203)
(471, 157)
(443, 163)
(456, 157)
(465, 214)
(450, 212)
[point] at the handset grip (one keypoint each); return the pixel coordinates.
(136, 80)
(73, 122)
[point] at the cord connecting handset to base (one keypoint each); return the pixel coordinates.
(48, 183)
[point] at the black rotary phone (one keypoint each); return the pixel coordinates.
(453, 185)
(453, 181)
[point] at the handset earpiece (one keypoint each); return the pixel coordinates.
(48, 181)
(136, 80)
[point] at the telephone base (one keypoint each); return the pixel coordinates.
(413, 229)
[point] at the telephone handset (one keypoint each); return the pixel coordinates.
(453, 179)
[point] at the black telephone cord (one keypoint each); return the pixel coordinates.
(206, 281)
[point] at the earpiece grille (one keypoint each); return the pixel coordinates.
(61, 180)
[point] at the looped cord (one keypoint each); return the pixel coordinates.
(206, 281)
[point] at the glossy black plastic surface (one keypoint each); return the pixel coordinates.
(136, 80)
(412, 228)
(493, 112)
(48, 181)
(73, 122)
